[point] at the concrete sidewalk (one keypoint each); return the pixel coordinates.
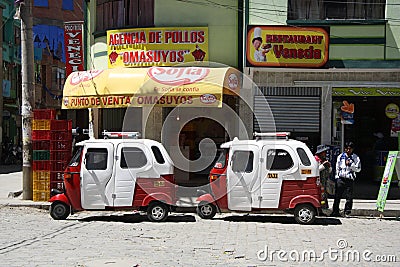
(11, 181)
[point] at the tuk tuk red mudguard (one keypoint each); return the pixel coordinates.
(304, 199)
(60, 197)
(206, 197)
(157, 196)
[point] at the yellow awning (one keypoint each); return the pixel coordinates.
(160, 86)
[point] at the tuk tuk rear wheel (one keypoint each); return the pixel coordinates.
(157, 212)
(206, 210)
(59, 211)
(304, 214)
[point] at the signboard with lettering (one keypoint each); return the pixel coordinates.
(347, 113)
(391, 164)
(286, 46)
(73, 46)
(142, 47)
(160, 86)
(362, 91)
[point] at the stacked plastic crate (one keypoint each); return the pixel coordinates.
(52, 145)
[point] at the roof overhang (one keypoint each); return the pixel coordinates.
(155, 86)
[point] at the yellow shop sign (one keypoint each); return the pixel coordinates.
(286, 46)
(143, 47)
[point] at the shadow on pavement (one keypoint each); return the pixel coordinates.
(278, 219)
(136, 218)
(5, 169)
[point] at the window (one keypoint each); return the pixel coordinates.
(157, 154)
(338, 9)
(68, 5)
(221, 161)
(41, 3)
(242, 161)
(124, 13)
(278, 160)
(58, 78)
(132, 157)
(303, 157)
(96, 159)
(77, 157)
(38, 78)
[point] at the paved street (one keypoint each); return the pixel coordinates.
(29, 237)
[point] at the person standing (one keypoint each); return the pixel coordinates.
(325, 171)
(347, 165)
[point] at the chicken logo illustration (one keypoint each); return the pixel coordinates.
(349, 108)
(113, 57)
(198, 54)
(347, 114)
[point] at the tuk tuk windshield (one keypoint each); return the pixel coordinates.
(221, 161)
(77, 156)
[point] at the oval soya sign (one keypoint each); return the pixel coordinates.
(177, 76)
(84, 76)
(208, 98)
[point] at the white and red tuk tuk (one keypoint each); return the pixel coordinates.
(109, 174)
(269, 173)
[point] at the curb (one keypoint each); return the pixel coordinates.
(41, 205)
(375, 213)
(355, 212)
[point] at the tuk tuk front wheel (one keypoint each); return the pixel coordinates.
(206, 210)
(157, 212)
(59, 210)
(304, 214)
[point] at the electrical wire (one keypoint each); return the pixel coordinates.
(281, 24)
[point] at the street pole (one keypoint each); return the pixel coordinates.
(27, 73)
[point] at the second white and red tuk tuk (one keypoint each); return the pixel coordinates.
(272, 172)
(109, 174)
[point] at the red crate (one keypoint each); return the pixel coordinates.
(61, 145)
(40, 145)
(60, 155)
(61, 135)
(44, 114)
(56, 176)
(61, 125)
(40, 135)
(57, 185)
(41, 165)
(58, 165)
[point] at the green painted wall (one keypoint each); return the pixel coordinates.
(393, 30)
(342, 48)
(219, 16)
(272, 12)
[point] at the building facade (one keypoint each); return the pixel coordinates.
(49, 60)
(10, 95)
(328, 71)
(342, 85)
(190, 33)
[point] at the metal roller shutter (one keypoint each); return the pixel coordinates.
(294, 109)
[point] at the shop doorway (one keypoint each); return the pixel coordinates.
(371, 134)
(193, 133)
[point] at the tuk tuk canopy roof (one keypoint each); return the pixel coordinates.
(159, 86)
